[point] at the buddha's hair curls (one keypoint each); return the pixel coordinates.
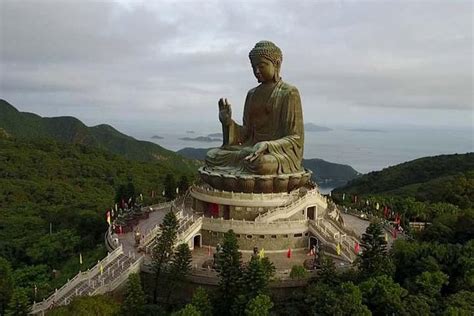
(267, 50)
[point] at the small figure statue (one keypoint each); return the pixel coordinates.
(137, 237)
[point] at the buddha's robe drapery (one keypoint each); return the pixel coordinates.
(276, 119)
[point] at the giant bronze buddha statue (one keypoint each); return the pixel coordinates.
(263, 154)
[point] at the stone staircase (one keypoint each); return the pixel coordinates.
(332, 235)
(188, 226)
(105, 276)
(312, 197)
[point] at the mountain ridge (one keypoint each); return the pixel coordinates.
(448, 178)
(25, 125)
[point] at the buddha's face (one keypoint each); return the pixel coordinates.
(263, 69)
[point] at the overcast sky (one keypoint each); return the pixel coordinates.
(166, 63)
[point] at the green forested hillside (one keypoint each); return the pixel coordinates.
(69, 129)
(67, 187)
(445, 178)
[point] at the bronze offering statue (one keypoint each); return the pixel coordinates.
(265, 153)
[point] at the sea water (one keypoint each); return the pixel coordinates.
(364, 150)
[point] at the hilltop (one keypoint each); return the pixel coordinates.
(70, 130)
(444, 178)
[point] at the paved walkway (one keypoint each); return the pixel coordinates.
(279, 259)
(358, 225)
(144, 226)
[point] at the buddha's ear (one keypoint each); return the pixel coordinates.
(277, 65)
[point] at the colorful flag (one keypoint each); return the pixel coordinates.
(330, 193)
(394, 233)
(386, 237)
(209, 250)
(397, 219)
(120, 229)
(355, 198)
(101, 267)
(338, 249)
(80, 258)
(377, 206)
(163, 193)
(343, 196)
(116, 207)
(288, 254)
(108, 218)
(356, 247)
(261, 254)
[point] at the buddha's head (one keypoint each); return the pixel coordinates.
(266, 60)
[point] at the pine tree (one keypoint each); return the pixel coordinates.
(188, 310)
(134, 297)
(255, 279)
(170, 187)
(230, 273)
(183, 184)
(259, 306)
(374, 259)
(19, 304)
(6, 284)
(162, 252)
(201, 302)
(327, 273)
(179, 268)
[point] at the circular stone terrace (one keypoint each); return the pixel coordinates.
(126, 256)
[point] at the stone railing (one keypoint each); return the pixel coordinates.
(192, 228)
(155, 231)
(67, 287)
(156, 207)
(186, 224)
(251, 227)
(311, 197)
(244, 199)
(122, 278)
(332, 236)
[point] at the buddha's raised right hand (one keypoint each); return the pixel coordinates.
(225, 112)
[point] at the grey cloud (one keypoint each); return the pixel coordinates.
(171, 60)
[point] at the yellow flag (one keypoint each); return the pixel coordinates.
(386, 237)
(338, 249)
(101, 267)
(261, 254)
(80, 258)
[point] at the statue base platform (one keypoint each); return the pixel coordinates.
(251, 183)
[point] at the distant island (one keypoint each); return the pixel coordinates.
(189, 132)
(219, 135)
(156, 137)
(201, 139)
(310, 127)
(368, 130)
